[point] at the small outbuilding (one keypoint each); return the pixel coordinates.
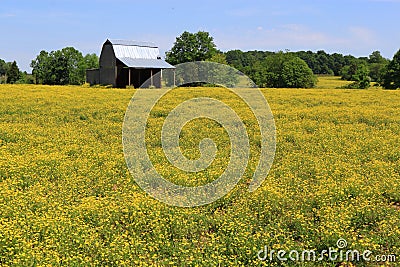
(128, 63)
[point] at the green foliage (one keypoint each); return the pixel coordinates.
(244, 61)
(91, 61)
(297, 74)
(191, 47)
(200, 74)
(347, 72)
(235, 58)
(3, 67)
(25, 78)
(359, 73)
(74, 65)
(361, 77)
(320, 62)
(282, 70)
(391, 78)
(324, 62)
(376, 57)
(3, 71)
(65, 66)
(377, 66)
(221, 74)
(41, 68)
(218, 58)
(377, 71)
(12, 72)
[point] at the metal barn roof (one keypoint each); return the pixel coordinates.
(132, 43)
(136, 52)
(140, 63)
(139, 54)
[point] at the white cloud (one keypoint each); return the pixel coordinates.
(352, 40)
(277, 38)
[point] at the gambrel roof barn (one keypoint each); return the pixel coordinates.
(124, 63)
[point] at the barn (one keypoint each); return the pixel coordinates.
(128, 63)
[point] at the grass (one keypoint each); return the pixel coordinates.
(331, 82)
(67, 198)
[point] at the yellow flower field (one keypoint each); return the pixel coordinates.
(68, 199)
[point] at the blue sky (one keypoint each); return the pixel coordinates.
(355, 27)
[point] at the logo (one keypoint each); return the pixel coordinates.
(146, 98)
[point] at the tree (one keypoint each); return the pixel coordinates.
(91, 61)
(235, 58)
(75, 65)
(65, 66)
(273, 69)
(357, 72)
(3, 70)
(377, 71)
(338, 63)
(13, 73)
(377, 64)
(280, 70)
(25, 78)
(324, 62)
(348, 71)
(218, 58)
(3, 67)
(41, 68)
(376, 57)
(297, 74)
(391, 78)
(59, 68)
(361, 77)
(252, 63)
(311, 59)
(191, 47)
(221, 73)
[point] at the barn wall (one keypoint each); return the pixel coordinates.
(93, 76)
(157, 78)
(108, 65)
(122, 75)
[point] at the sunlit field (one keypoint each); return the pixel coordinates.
(68, 199)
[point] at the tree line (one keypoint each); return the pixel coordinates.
(265, 68)
(10, 73)
(360, 70)
(60, 67)
(290, 69)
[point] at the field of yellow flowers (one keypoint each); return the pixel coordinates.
(68, 199)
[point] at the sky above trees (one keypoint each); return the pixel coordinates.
(355, 27)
